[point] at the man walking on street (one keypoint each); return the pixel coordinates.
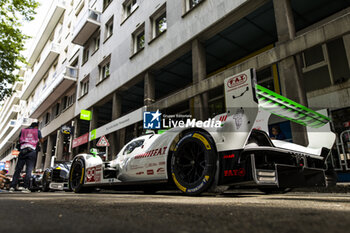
(29, 139)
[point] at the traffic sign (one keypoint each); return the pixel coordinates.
(103, 142)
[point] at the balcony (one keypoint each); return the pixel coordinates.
(53, 16)
(86, 26)
(6, 108)
(48, 56)
(7, 129)
(18, 86)
(10, 114)
(62, 81)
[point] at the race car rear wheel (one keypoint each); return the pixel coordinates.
(76, 176)
(193, 163)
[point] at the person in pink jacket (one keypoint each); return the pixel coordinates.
(29, 139)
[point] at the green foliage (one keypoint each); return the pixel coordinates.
(12, 14)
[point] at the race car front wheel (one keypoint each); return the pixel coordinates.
(193, 163)
(76, 175)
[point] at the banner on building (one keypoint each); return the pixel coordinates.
(117, 124)
(80, 140)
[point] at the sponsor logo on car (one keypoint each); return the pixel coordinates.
(134, 167)
(160, 170)
(151, 165)
(150, 172)
(223, 118)
(235, 172)
(229, 156)
(152, 153)
(139, 173)
(237, 80)
(93, 174)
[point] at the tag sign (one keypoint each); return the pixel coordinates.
(85, 115)
(103, 142)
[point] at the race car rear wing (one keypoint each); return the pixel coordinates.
(250, 105)
(288, 109)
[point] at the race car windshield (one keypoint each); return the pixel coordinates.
(132, 145)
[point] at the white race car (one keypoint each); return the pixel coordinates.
(237, 153)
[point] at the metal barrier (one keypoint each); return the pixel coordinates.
(341, 162)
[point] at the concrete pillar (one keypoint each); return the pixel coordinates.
(39, 160)
(290, 68)
(150, 89)
(75, 135)
(116, 113)
(284, 20)
(93, 124)
(199, 72)
(59, 145)
(346, 40)
(49, 154)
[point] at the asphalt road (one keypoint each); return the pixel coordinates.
(172, 212)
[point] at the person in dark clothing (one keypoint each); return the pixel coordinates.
(29, 139)
(277, 134)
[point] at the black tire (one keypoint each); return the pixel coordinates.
(193, 163)
(275, 190)
(331, 178)
(76, 176)
(46, 183)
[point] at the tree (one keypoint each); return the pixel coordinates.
(12, 40)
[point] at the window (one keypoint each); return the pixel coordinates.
(139, 39)
(159, 22)
(316, 68)
(44, 82)
(194, 3)
(47, 118)
(129, 7)
(84, 86)
(67, 101)
(132, 146)
(85, 54)
(96, 43)
(56, 110)
(265, 78)
(64, 103)
(109, 28)
(106, 3)
(190, 4)
(104, 71)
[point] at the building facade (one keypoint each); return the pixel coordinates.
(119, 58)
